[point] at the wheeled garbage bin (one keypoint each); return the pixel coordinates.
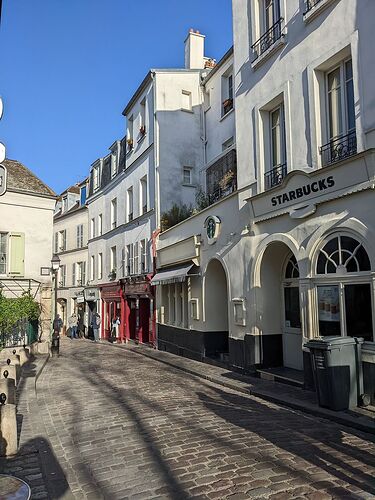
(337, 369)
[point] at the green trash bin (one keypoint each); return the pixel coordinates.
(337, 369)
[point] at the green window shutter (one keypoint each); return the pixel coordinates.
(17, 254)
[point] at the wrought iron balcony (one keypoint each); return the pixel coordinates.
(339, 149)
(267, 39)
(310, 4)
(221, 177)
(222, 192)
(275, 176)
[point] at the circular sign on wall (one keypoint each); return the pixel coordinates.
(212, 225)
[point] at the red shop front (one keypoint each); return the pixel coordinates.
(113, 306)
(139, 310)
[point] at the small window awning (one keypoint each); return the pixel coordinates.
(176, 274)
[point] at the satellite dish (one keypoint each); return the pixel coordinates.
(2, 152)
(1, 108)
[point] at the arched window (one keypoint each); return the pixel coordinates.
(292, 269)
(342, 254)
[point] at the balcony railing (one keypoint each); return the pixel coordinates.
(310, 4)
(222, 192)
(221, 177)
(275, 176)
(339, 149)
(267, 39)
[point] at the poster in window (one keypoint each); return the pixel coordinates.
(328, 303)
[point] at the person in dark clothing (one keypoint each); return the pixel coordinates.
(57, 324)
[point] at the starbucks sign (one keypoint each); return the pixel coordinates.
(3, 179)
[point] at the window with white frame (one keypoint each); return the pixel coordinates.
(114, 213)
(113, 263)
(277, 133)
(227, 92)
(92, 268)
(62, 276)
(270, 14)
(96, 177)
(100, 266)
(113, 164)
(340, 113)
(92, 228)
(136, 258)
(268, 29)
(175, 304)
(62, 240)
(227, 144)
(123, 261)
(100, 224)
(344, 288)
(274, 146)
(79, 240)
(142, 117)
(79, 274)
(3, 252)
(143, 195)
(186, 102)
(144, 256)
(187, 177)
(130, 133)
(130, 204)
(129, 260)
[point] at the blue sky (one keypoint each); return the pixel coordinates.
(68, 67)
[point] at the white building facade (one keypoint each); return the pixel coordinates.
(290, 256)
(158, 166)
(26, 224)
(70, 229)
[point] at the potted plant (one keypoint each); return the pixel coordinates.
(227, 180)
(112, 275)
(129, 142)
(142, 129)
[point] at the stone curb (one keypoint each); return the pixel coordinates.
(304, 407)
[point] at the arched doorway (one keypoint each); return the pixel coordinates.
(216, 310)
(278, 305)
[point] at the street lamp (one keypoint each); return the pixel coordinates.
(55, 266)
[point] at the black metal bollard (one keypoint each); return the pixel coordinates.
(55, 346)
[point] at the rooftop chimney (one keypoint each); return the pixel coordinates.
(194, 50)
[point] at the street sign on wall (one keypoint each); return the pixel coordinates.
(3, 179)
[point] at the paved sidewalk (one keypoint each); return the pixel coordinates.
(293, 397)
(35, 462)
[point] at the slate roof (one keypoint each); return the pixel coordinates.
(20, 178)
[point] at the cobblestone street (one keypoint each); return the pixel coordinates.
(122, 425)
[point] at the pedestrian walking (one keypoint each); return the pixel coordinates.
(73, 323)
(95, 324)
(115, 327)
(57, 324)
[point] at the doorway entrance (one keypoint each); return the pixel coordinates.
(292, 332)
(278, 308)
(216, 338)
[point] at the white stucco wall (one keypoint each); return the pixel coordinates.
(309, 48)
